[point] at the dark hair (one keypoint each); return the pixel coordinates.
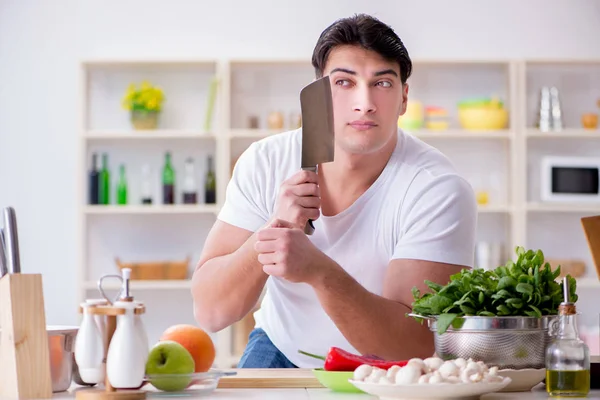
(365, 31)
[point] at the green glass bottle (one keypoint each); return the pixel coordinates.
(104, 181)
(210, 185)
(168, 181)
(122, 186)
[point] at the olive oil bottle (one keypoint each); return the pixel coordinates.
(567, 356)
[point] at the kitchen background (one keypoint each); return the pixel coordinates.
(230, 73)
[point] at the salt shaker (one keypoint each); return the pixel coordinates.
(89, 348)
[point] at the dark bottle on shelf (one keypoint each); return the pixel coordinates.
(190, 189)
(210, 195)
(94, 182)
(122, 186)
(104, 181)
(168, 181)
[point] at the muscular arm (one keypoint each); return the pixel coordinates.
(228, 280)
(377, 324)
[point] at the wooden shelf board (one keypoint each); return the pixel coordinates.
(152, 209)
(147, 134)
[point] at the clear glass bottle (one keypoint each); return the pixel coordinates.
(190, 188)
(567, 356)
(146, 189)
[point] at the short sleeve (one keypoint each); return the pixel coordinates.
(438, 221)
(245, 204)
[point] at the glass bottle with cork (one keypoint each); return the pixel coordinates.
(567, 356)
(168, 181)
(210, 184)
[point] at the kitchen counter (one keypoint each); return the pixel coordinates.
(326, 394)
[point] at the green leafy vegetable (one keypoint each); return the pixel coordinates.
(525, 287)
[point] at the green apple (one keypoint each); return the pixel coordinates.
(170, 358)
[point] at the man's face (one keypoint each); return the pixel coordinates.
(368, 98)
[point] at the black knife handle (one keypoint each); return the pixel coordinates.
(309, 228)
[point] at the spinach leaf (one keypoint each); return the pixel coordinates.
(526, 286)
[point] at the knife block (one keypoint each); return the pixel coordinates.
(24, 355)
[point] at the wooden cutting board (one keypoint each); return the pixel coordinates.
(270, 378)
(591, 228)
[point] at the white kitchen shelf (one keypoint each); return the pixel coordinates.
(463, 134)
(253, 133)
(588, 283)
(564, 208)
(143, 285)
(147, 134)
(255, 87)
(565, 134)
(151, 209)
(494, 208)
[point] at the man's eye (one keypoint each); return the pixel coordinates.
(342, 82)
(384, 84)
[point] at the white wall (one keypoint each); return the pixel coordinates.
(42, 41)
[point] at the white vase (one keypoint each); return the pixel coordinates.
(126, 359)
(89, 349)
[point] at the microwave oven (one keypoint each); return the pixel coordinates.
(570, 179)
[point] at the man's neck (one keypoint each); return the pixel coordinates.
(343, 181)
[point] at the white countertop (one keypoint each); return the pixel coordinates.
(326, 394)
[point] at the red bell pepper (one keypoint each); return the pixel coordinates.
(341, 360)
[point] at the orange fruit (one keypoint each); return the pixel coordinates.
(196, 341)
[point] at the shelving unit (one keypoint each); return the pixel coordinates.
(503, 162)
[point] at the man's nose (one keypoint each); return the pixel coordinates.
(363, 101)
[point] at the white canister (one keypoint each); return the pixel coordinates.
(89, 348)
(126, 359)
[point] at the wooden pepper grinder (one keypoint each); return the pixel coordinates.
(24, 355)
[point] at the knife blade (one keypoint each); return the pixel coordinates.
(11, 237)
(317, 128)
(3, 265)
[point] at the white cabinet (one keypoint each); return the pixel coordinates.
(257, 98)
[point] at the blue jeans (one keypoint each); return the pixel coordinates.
(262, 353)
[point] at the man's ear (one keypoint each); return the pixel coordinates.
(404, 99)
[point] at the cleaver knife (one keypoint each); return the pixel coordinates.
(317, 128)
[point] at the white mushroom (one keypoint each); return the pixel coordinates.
(473, 366)
(362, 372)
(482, 366)
(384, 380)
(460, 362)
(376, 374)
(433, 363)
(424, 378)
(407, 375)
(392, 371)
(436, 378)
(493, 371)
(452, 379)
(467, 372)
(417, 362)
(449, 368)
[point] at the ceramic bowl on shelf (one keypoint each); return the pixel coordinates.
(482, 114)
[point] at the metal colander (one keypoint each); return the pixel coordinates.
(506, 342)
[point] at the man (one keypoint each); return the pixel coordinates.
(389, 213)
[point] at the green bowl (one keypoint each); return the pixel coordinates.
(336, 380)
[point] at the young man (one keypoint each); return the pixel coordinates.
(390, 212)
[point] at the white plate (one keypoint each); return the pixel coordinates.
(436, 391)
(523, 380)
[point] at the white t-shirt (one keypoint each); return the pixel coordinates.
(418, 208)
